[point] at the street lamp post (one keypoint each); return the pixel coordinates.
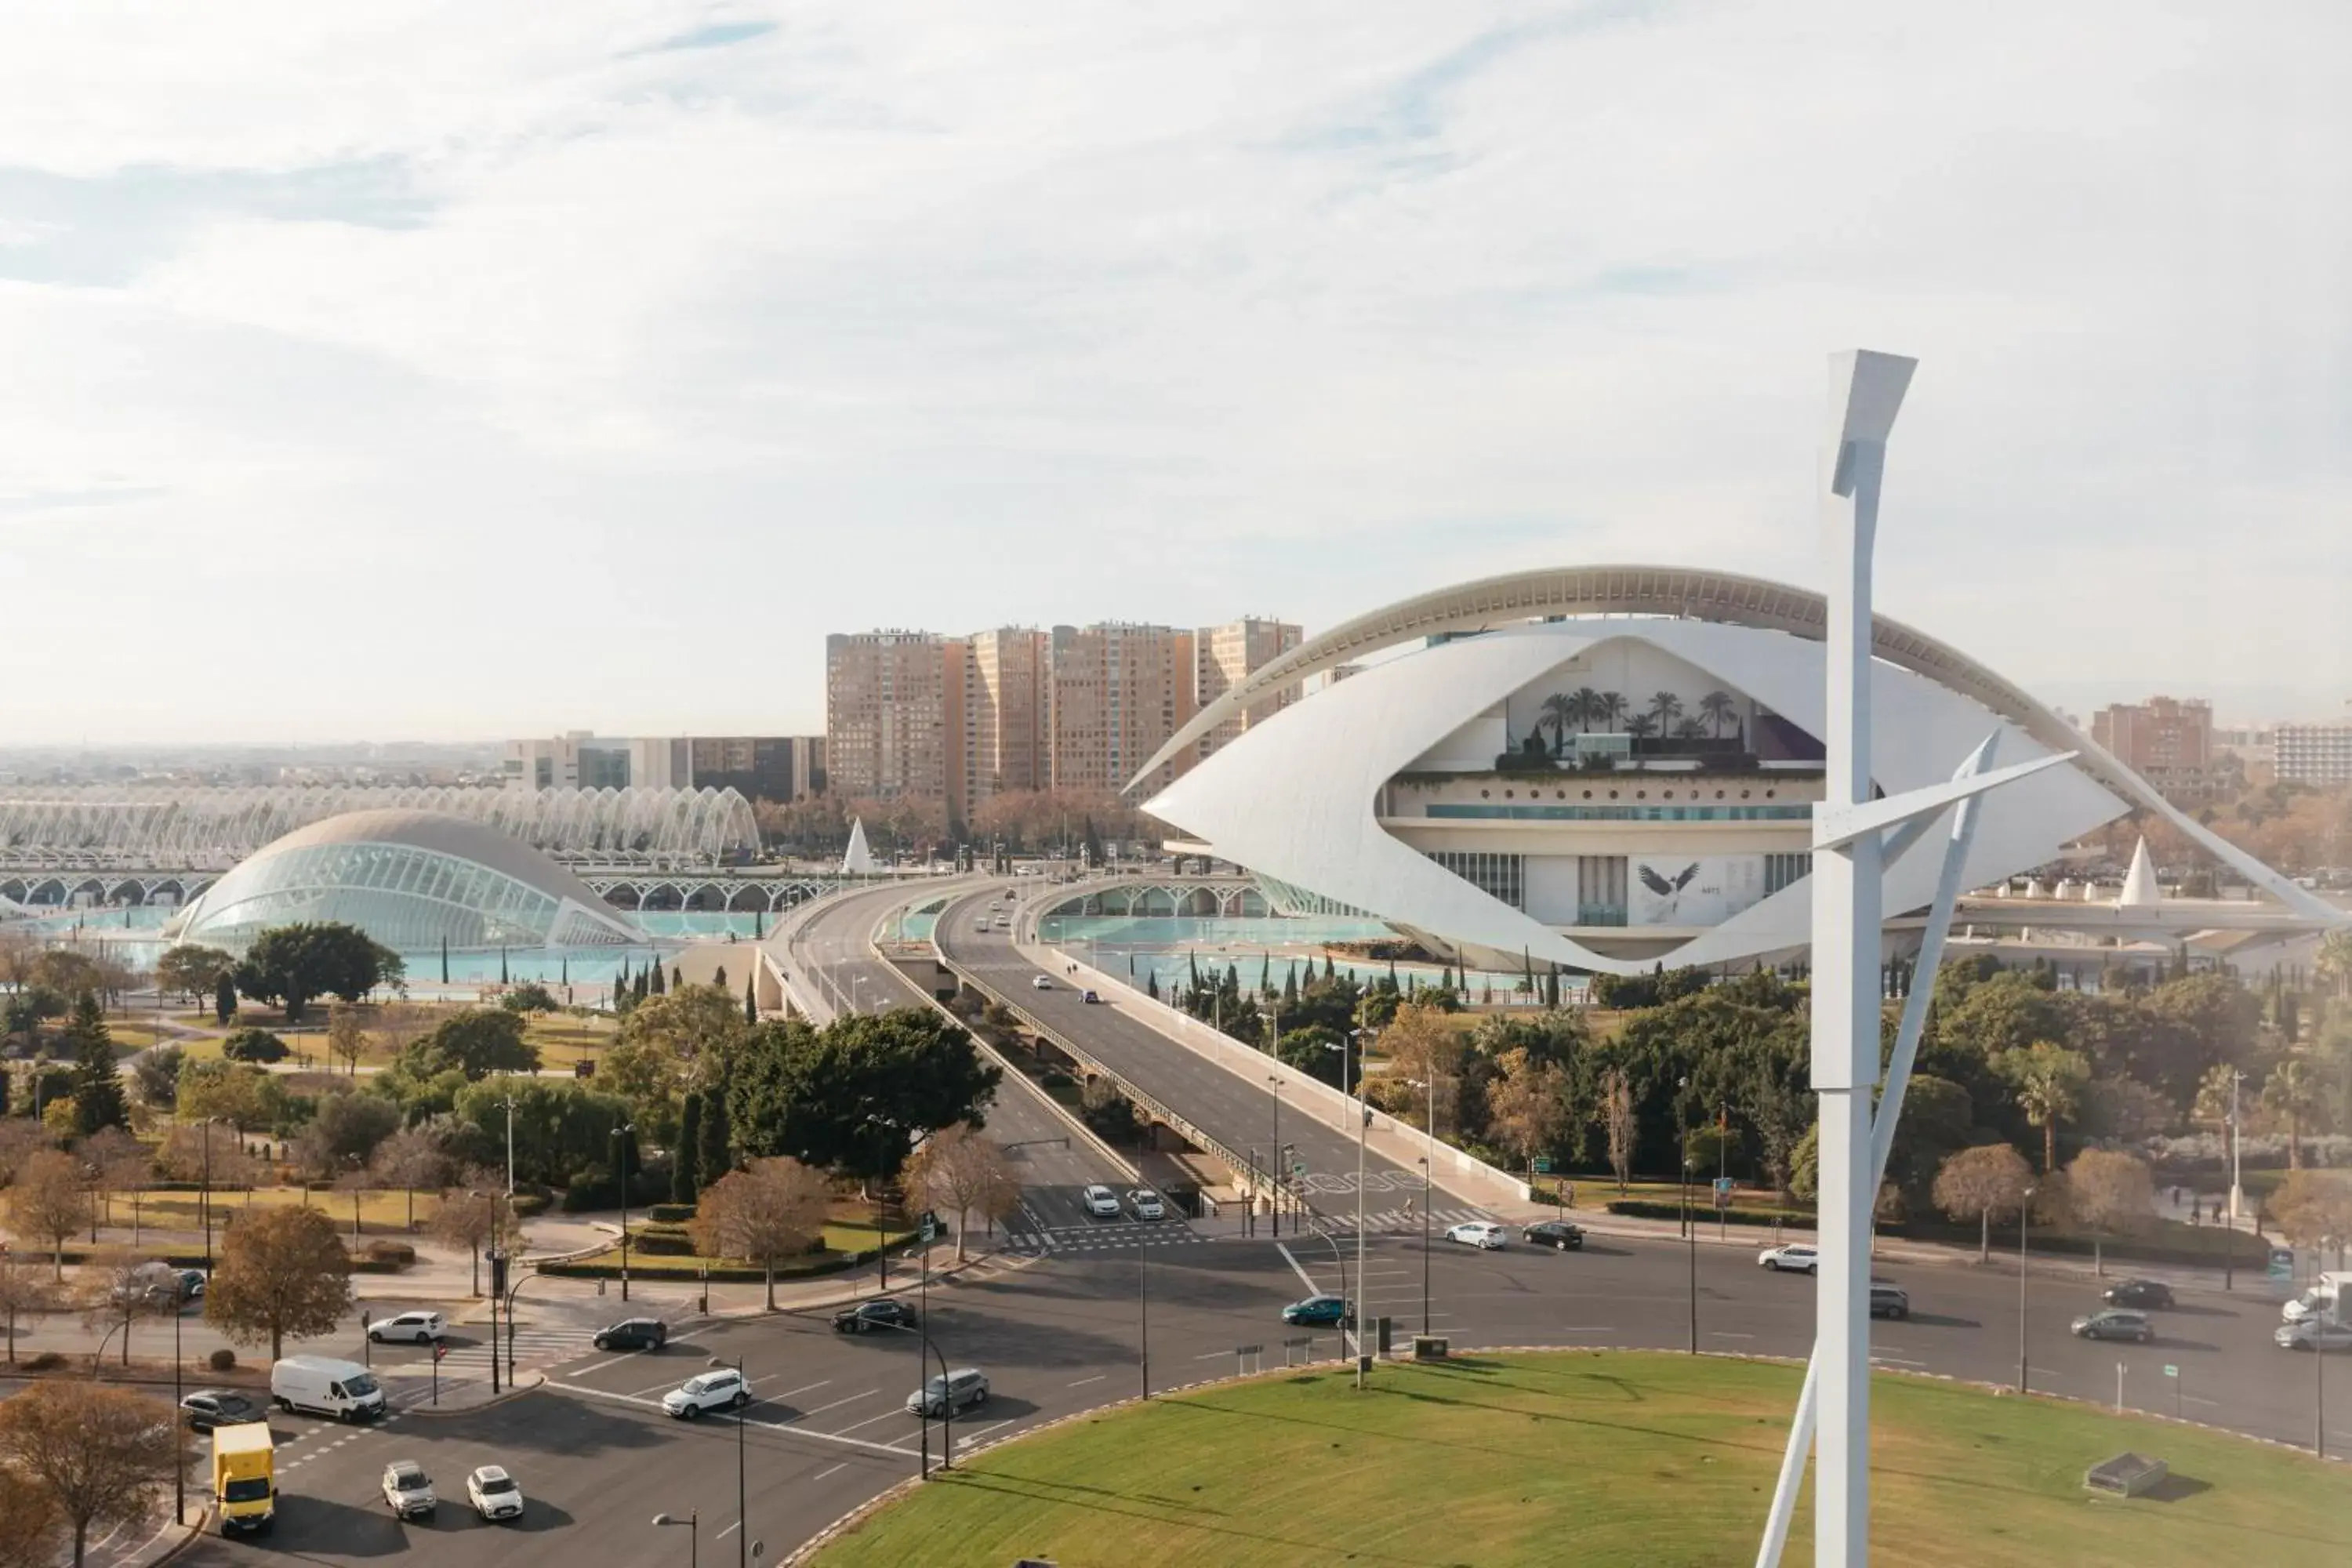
(2024, 1211)
(204, 1198)
(179, 1460)
(742, 1513)
(622, 1133)
(693, 1522)
(1276, 1081)
(1143, 1311)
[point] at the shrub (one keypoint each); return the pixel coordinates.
(1055, 1078)
(48, 1361)
(398, 1252)
(526, 1205)
(662, 1241)
(672, 1213)
(254, 1045)
(1706, 1212)
(222, 1360)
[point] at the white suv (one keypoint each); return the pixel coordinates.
(417, 1328)
(1483, 1233)
(1797, 1258)
(1147, 1204)
(1039, 982)
(722, 1389)
(1101, 1202)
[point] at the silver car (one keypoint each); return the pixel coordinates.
(407, 1490)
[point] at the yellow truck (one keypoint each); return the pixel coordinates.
(244, 1477)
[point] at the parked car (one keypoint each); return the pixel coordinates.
(1147, 1204)
(2115, 1324)
(1039, 982)
(1483, 1233)
(1088, 997)
(1101, 1202)
(959, 1390)
(722, 1390)
(2138, 1293)
(1888, 1299)
(415, 1328)
(209, 1407)
(2312, 1334)
(869, 1316)
(494, 1493)
(1319, 1311)
(1558, 1233)
(633, 1334)
(192, 1284)
(155, 1285)
(1797, 1258)
(407, 1490)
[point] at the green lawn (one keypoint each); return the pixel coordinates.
(1593, 1458)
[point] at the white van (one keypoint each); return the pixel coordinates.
(325, 1387)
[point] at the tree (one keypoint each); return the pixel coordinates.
(347, 1039)
(1984, 1184)
(2314, 1209)
(476, 1215)
(114, 1162)
(257, 1046)
(347, 1130)
(529, 996)
(682, 1185)
(103, 1457)
(194, 969)
(689, 1023)
(244, 1097)
(2293, 1094)
(118, 1288)
(2110, 1193)
(224, 998)
(156, 1070)
(99, 1100)
(853, 1096)
(765, 1213)
(29, 1522)
(23, 1294)
(48, 1200)
(1937, 1118)
(1617, 1118)
(651, 1080)
(477, 1042)
(957, 1171)
(292, 965)
(1560, 712)
(281, 1271)
(1529, 1106)
(2046, 1079)
(1717, 706)
(562, 1127)
(415, 1159)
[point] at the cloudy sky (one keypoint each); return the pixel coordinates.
(424, 369)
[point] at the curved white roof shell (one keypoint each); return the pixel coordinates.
(1694, 595)
(411, 879)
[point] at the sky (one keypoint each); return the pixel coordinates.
(411, 370)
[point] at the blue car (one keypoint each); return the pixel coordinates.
(1321, 1311)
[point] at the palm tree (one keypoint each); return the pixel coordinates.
(2334, 960)
(1610, 707)
(1559, 712)
(2293, 1094)
(2046, 1079)
(1718, 706)
(1666, 707)
(1691, 730)
(1641, 726)
(1586, 703)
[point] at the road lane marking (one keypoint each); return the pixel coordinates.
(834, 1471)
(867, 1421)
(836, 1403)
(991, 1426)
(1100, 1376)
(1305, 1277)
(786, 1427)
(1720, 1334)
(803, 1388)
(726, 1533)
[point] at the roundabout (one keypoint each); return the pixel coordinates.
(1600, 1458)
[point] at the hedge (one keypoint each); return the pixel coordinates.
(1645, 1208)
(672, 1213)
(642, 1267)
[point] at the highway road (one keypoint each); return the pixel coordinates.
(598, 1459)
(1244, 1113)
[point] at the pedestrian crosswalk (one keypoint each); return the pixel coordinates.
(1104, 1238)
(1396, 1220)
(1056, 1239)
(467, 1353)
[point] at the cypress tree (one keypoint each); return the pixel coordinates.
(659, 986)
(1151, 989)
(682, 1188)
(444, 961)
(713, 1158)
(566, 971)
(1392, 979)
(1290, 985)
(1329, 972)
(677, 978)
(224, 999)
(643, 985)
(1266, 975)
(720, 978)
(751, 998)
(502, 966)
(97, 1081)
(1193, 959)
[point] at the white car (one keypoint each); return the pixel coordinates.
(2306, 1306)
(1483, 1233)
(1147, 1204)
(494, 1493)
(2312, 1334)
(1797, 1258)
(417, 1328)
(1039, 982)
(407, 1490)
(1101, 1202)
(722, 1390)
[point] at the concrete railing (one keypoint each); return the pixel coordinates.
(1326, 1102)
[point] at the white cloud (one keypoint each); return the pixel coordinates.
(614, 375)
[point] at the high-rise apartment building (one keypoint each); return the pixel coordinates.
(781, 768)
(2168, 743)
(1230, 654)
(1115, 693)
(1003, 717)
(2319, 756)
(887, 712)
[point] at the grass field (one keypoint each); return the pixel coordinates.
(1593, 1458)
(380, 1213)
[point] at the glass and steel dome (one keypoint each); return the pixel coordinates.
(411, 879)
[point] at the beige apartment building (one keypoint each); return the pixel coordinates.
(2166, 741)
(1002, 723)
(887, 712)
(1229, 655)
(1117, 693)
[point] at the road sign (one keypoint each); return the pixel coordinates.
(1543, 1165)
(1298, 1167)
(1723, 1192)
(2172, 1372)
(439, 1349)
(2281, 1262)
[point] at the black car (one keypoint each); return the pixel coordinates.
(1557, 1233)
(209, 1407)
(869, 1316)
(2138, 1293)
(634, 1334)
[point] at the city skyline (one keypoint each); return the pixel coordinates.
(881, 308)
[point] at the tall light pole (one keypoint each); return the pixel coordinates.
(204, 1201)
(621, 1134)
(1275, 1079)
(2237, 1190)
(1363, 1121)
(693, 1522)
(742, 1511)
(2024, 1212)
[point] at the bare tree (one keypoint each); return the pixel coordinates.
(765, 1213)
(1983, 1183)
(1618, 1119)
(283, 1272)
(21, 1138)
(103, 1455)
(23, 1294)
(2111, 1194)
(960, 1170)
(120, 1288)
(476, 1216)
(48, 1200)
(28, 1523)
(2314, 1209)
(413, 1159)
(347, 1037)
(114, 1162)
